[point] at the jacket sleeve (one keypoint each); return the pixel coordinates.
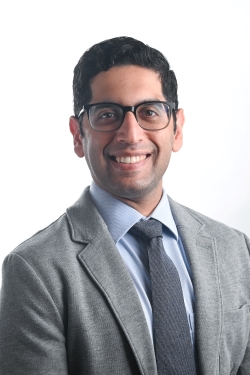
(245, 365)
(32, 339)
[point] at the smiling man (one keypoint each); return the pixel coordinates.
(128, 156)
(127, 281)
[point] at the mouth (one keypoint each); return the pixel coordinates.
(129, 159)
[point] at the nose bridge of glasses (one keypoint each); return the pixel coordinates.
(129, 131)
(127, 109)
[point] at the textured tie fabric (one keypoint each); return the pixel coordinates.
(173, 346)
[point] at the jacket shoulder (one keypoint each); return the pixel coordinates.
(48, 237)
(187, 216)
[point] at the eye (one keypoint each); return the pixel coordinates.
(103, 114)
(106, 115)
(149, 112)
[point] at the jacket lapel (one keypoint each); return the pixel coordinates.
(105, 266)
(201, 252)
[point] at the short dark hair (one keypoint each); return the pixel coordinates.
(117, 52)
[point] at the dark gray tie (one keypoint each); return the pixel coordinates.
(173, 346)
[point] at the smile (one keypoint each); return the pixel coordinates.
(129, 159)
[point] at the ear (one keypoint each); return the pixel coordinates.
(77, 137)
(178, 136)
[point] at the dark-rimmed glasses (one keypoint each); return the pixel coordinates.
(150, 115)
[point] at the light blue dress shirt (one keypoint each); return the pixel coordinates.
(119, 218)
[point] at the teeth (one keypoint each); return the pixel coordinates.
(129, 159)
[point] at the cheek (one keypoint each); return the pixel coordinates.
(165, 152)
(94, 146)
(164, 143)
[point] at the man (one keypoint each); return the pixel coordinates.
(80, 297)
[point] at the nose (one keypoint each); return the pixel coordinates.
(130, 131)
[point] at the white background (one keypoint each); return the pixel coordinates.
(207, 44)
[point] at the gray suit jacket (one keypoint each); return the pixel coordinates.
(68, 304)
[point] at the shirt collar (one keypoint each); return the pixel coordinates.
(120, 217)
(162, 213)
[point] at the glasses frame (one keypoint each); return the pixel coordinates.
(125, 109)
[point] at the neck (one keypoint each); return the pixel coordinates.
(144, 205)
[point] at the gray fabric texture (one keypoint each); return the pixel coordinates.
(68, 304)
(173, 347)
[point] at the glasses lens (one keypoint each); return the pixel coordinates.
(153, 116)
(105, 117)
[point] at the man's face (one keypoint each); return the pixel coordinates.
(147, 153)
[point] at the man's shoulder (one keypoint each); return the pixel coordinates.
(60, 235)
(43, 238)
(206, 225)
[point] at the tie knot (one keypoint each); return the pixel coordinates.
(148, 229)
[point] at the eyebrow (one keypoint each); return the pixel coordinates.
(145, 100)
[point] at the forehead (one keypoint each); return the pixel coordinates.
(127, 85)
